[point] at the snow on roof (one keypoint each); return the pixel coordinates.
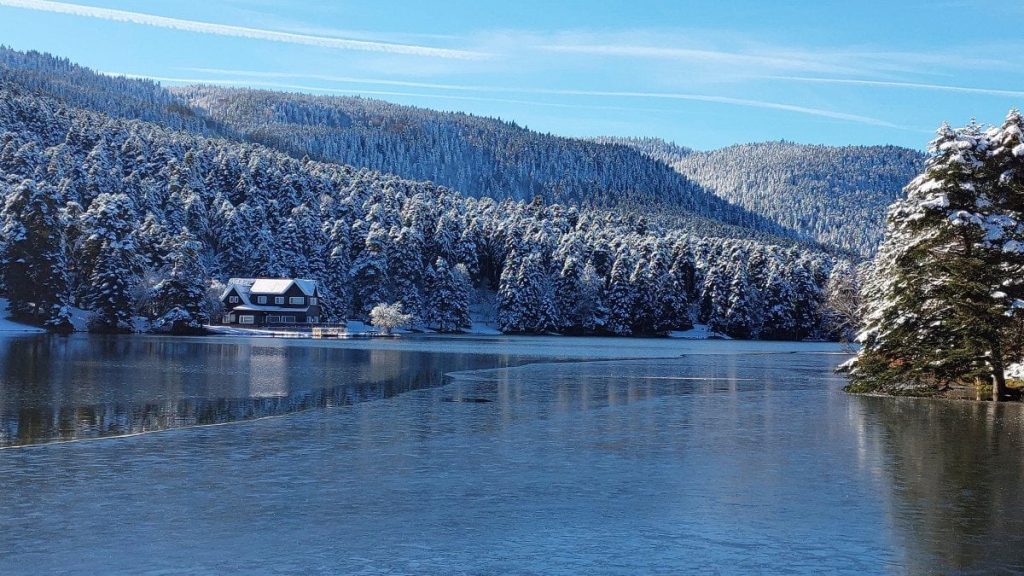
(308, 287)
(251, 308)
(271, 285)
(245, 286)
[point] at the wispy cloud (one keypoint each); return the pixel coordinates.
(742, 102)
(728, 55)
(235, 82)
(908, 85)
(239, 31)
(346, 79)
(787, 61)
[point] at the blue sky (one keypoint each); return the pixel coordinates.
(700, 73)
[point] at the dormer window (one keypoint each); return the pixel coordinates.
(278, 299)
(312, 301)
(299, 300)
(233, 299)
(261, 299)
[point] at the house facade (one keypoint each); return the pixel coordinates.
(270, 301)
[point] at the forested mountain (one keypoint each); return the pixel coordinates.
(836, 195)
(774, 190)
(667, 152)
(125, 217)
(481, 157)
(80, 87)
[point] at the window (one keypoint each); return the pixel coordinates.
(273, 319)
(246, 319)
(297, 300)
(278, 299)
(229, 318)
(288, 319)
(312, 301)
(233, 299)
(261, 299)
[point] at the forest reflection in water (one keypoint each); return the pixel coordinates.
(58, 389)
(953, 475)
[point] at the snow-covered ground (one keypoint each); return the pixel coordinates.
(12, 326)
(353, 328)
(698, 332)
(1015, 371)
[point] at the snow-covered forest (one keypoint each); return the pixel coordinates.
(125, 216)
(836, 195)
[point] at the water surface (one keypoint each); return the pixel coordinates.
(712, 457)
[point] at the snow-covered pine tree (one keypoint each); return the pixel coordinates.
(525, 296)
(447, 297)
(180, 296)
(33, 256)
(936, 300)
(570, 298)
(409, 284)
(336, 287)
(739, 318)
(370, 272)
(110, 291)
(619, 296)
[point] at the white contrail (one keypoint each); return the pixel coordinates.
(914, 85)
(238, 31)
(789, 60)
(749, 103)
(733, 101)
(343, 92)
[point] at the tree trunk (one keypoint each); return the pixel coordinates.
(999, 389)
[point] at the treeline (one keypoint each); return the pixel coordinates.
(125, 217)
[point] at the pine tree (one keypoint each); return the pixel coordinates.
(110, 291)
(370, 274)
(938, 300)
(619, 297)
(33, 256)
(336, 287)
(448, 297)
(180, 296)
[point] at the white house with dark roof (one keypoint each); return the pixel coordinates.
(270, 301)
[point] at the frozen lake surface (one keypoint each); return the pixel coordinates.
(535, 456)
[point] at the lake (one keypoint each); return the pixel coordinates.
(489, 455)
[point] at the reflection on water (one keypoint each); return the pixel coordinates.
(729, 459)
(953, 474)
(88, 387)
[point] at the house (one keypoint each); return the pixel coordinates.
(271, 301)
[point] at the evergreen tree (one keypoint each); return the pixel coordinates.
(619, 297)
(180, 296)
(336, 288)
(938, 296)
(448, 294)
(33, 256)
(111, 287)
(370, 273)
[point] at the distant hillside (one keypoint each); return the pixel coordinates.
(45, 75)
(836, 195)
(481, 157)
(667, 152)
